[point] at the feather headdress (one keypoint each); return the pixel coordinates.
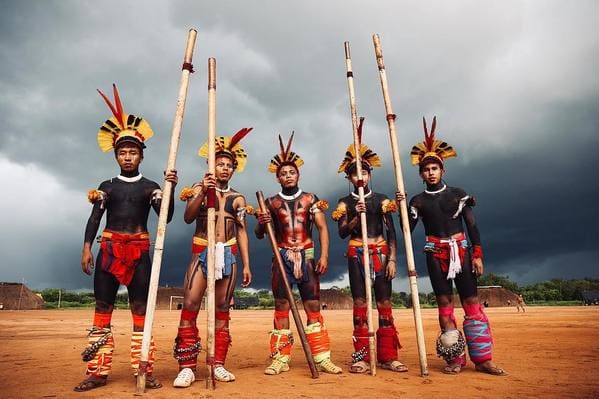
(367, 155)
(229, 146)
(285, 156)
(430, 147)
(122, 126)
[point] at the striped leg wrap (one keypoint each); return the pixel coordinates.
(136, 338)
(478, 334)
(98, 353)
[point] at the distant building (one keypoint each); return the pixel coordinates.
(590, 297)
(16, 296)
(333, 299)
(492, 296)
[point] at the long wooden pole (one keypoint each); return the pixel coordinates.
(279, 262)
(405, 223)
(163, 215)
(363, 225)
(211, 227)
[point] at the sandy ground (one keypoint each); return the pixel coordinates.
(549, 352)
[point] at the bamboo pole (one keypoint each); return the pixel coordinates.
(163, 215)
(211, 226)
(363, 225)
(279, 262)
(405, 223)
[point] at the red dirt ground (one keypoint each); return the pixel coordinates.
(549, 352)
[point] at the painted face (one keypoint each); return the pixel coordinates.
(288, 176)
(432, 173)
(129, 156)
(223, 168)
(353, 178)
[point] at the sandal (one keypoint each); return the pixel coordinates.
(90, 383)
(394, 365)
(152, 382)
(359, 367)
(453, 368)
(491, 369)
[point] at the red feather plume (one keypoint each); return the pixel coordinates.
(360, 129)
(239, 135)
(118, 110)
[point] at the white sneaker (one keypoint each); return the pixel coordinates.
(222, 374)
(185, 378)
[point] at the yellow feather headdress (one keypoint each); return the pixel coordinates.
(366, 154)
(431, 148)
(285, 156)
(229, 146)
(122, 126)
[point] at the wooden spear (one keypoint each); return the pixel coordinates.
(405, 223)
(211, 227)
(279, 262)
(363, 225)
(162, 216)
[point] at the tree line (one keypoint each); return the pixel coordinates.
(554, 290)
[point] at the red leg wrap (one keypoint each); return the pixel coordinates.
(222, 315)
(387, 340)
(102, 320)
(189, 315)
(360, 317)
(314, 316)
(187, 347)
(222, 341)
(280, 315)
(447, 311)
(138, 321)
(387, 344)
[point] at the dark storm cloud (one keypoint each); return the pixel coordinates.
(514, 87)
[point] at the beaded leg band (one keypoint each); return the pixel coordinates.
(98, 353)
(187, 347)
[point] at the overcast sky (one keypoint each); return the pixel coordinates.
(514, 86)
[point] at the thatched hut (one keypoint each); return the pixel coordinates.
(493, 296)
(16, 296)
(332, 298)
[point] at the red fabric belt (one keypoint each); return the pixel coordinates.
(122, 252)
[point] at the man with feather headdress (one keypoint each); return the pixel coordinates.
(231, 238)
(451, 258)
(293, 213)
(383, 259)
(124, 249)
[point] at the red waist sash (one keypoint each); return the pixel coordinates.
(122, 252)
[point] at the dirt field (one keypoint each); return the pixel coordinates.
(549, 352)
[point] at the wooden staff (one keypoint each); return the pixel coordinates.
(279, 262)
(363, 225)
(405, 223)
(187, 69)
(211, 227)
